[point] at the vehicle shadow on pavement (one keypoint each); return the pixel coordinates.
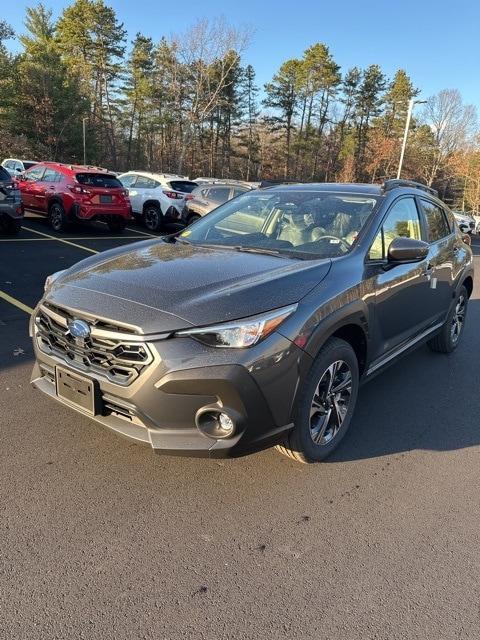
(424, 401)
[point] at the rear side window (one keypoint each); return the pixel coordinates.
(52, 176)
(101, 180)
(238, 191)
(184, 186)
(29, 165)
(4, 175)
(146, 183)
(402, 222)
(128, 181)
(437, 224)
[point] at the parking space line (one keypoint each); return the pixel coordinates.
(15, 302)
(72, 244)
(82, 238)
(149, 235)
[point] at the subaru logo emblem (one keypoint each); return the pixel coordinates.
(79, 329)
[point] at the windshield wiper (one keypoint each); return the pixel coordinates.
(267, 252)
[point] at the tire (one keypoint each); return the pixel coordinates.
(448, 339)
(193, 217)
(58, 217)
(13, 226)
(117, 224)
(321, 420)
(152, 217)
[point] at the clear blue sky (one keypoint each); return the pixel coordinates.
(436, 41)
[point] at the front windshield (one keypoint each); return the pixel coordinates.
(296, 223)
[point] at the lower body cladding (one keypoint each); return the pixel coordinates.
(191, 400)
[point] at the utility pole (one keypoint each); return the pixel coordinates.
(84, 121)
(411, 104)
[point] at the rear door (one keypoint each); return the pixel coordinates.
(142, 191)
(443, 242)
(47, 187)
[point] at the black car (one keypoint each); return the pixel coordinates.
(11, 208)
(255, 326)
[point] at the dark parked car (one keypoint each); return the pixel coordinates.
(207, 197)
(256, 325)
(68, 193)
(11, 209)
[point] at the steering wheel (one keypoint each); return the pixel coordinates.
(340, 241)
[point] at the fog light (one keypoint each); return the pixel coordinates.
(226, 423)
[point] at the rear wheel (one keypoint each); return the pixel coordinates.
(58, 217)
(449, 337)
(117, 224)
(325, 405)
(152, 217)
(193, 217)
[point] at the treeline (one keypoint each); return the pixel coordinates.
(189, 104)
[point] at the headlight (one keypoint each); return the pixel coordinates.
(241, 333)
(51, 279)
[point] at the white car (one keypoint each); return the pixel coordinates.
(17, 167)
(465, 221)
(156, 198)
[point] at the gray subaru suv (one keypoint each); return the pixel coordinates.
(256, 325)
(11, 208)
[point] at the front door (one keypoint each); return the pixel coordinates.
(29, 187)
(403, 308)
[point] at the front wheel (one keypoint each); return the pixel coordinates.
(448, 339)
(325, 404)
(193, 218)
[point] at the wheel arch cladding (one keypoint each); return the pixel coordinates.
(468, 284)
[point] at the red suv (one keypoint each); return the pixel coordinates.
(70, 193)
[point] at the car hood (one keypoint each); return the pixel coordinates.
(160, 286)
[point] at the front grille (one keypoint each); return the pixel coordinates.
(106, 352)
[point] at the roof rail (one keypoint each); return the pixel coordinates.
(388, 185)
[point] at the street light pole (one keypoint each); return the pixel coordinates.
(411, 104)
(84, 120)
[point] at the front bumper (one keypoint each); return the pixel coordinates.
(159, 408)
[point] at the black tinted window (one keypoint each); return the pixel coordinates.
(184, 186)
(4, 175)
(28, 165)
(437, 224)
(101, 180)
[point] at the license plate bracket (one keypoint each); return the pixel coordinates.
(105, 199)
(77, 390)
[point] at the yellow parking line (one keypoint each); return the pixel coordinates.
(53, 238)
(79, 246)
(16, 303)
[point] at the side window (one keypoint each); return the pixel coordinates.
(437, 224)
(50, 176)
(402, 221)
(10, 164)
(128, 181)
(219, 194)
(34, 174)
(238, 191)
(145, 183)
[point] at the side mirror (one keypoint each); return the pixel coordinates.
(405, 250)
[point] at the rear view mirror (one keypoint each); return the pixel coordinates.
(405, 250)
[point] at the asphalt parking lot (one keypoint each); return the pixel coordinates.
(101, 539)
